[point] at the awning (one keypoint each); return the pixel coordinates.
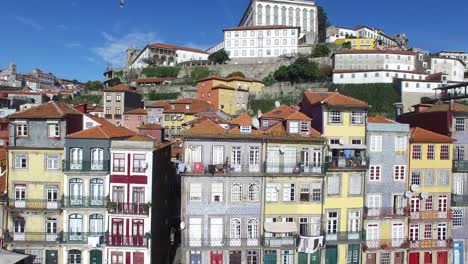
(281, 227)
(8, 257)
(344, 146)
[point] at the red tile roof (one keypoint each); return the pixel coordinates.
(242, 120)
(379, 120)
(455, 107)
(333, 99)
(420, 135)
(48, 110)
(206, 127)
(138, 111)
(285, 112)
(195, 106)
(175, 47)
(396, 52)
(120, 88)
(266, 27)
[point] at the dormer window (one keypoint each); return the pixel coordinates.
(246, 129)
(305, 127)
(22, 130)
(293, 127)
(265, 123)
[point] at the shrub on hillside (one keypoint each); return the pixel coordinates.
(161, 72)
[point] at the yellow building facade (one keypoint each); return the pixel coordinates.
(358, 43)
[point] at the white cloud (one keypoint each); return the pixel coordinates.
(29, 22)
(113, 50)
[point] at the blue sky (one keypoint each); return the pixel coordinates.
(79, 38)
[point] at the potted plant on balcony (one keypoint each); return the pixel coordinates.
(146, 207)
(60, 237)
(384, 246)
(112, 206)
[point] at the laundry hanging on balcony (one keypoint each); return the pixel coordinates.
(309, 245)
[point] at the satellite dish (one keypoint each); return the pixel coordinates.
(282, 149)
(182, 225)
(424, 196)
(255, 123)
(407, 195)
(414, 188)
(277, 103)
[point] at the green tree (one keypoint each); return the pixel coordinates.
(161, 72)
(322, 24)
(346, 45)
(153, 95)
(281, 74)
(237, 73)
(199, 72)
(94, 86)
(269, 80)
(219, 56)
(321, 50)
(302, 70)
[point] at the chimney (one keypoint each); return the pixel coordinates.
(83, 108)
(398, 109)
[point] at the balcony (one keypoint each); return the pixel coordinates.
(345, 237)
(126, 241)
(83, 202)
(33, 237)
(82, 238)
(91, 166)
(459, 200)
(299, 168)
(108, 116)
(460, 166)
(34, 204)
(280, 242)
(254, 170)
(220, 242)
(431, 215)
(386, 244)
(128, 208)
(430, 244)
(347, 164)
(385, 212)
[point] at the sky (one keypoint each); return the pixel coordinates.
(78, 39)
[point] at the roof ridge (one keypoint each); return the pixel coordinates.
(59, 110)
(103, 131)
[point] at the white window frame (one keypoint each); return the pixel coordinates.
(357, 118)
(217, 190)
(399, 172)
(21, 161)
(376, 143)
(335, 117)
(375, 173)
(195, 192)
(52, 161)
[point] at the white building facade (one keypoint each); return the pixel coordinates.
(454, 68)
(373, 76)
(261, 41)
(461, 55)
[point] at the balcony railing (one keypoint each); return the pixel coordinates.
(83, 202)
(460, 165)
(221, 242)
(95, 166)
(255, 169)
(83, 238)
(28, 237)
(386, 244)
(126, 241)
(280, 242)
(459, 200)
(385, 212)
(128, 208)
(430, 244)
(431, 215)
(34, 204)
(342, 163)
(345, 237)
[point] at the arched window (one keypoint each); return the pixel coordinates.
(290, 16)
(312, 20)
(75, 227)
(236, 193)
(254, 192)
(74, 257)
(96, 224)
(259, 14)
(283, 15)
(268, 15)
(275, 15)
(76, 158)
(235, 228)
(304, 20)
(76, 191)
(252, 228)
(96, 192)
(97, 159)
(298, 17)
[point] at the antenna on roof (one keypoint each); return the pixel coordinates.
(277, 103)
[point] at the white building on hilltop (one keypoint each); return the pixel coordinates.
(461, 55)
(261, 41)
(292, 13)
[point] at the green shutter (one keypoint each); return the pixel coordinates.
(270, 257)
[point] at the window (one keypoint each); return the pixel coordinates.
(444, 152)
(97, 159)
(236, 193)
(216, 192)
(460, 124)
(429, 203)
(22, 130)
(355, 185)
(254, 192)
(334, 117)
(375, 143)
(264, 123)
(304, 127)
(108, 111)
(444, 177)
(252, 257)
(354, 221)
(332, 222)
(430, 152)
(289, 192)
(293, 127)
(427, 231)
(272, 192)
(118, 111)
(457, 217)
(195, 192)
(357, 118)
(416, 153)
(356, 142)
(414, 232)
(235, 230)
(429, 177)
(54, 130)
(139, 162)
(21, 161)
(252, 229)
(442, 232)
(372, 233)
(442, 203)
(20, 194)
(287, 257)
(303, 226)
(416, 178)
(374, 173)
(401, 143)
(399, 173)
(119, 162)
(385, 258)
(333, 186)
(108, 98)
(19, 225)
(304, 195)
(52, 162)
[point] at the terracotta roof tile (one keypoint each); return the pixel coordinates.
(3, 121)
(195, 106)
(47, 110)
(420, 135)
(206, 127)
(150, 127)
(104, 132)
(242, 120)
(298, 116)
(379, 120)
(455, 107)
(138, 111)
(157, 104)
(333, 99)
(175, 47)
(120, 88)
(285, 112)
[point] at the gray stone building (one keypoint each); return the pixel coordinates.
(118, 100)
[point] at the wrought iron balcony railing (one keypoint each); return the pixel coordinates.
(385, 212)
(29, 237)
(34, 204)
(386, 244)
(126, 241)
(299, 168)
(280, 242)
(430, 244)
(431, 215)
(460, 165)
(95, 238)
(83, 202)
(86, 165)
(346, 164)
(344, 237)
(459, 200)
(128, 208)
